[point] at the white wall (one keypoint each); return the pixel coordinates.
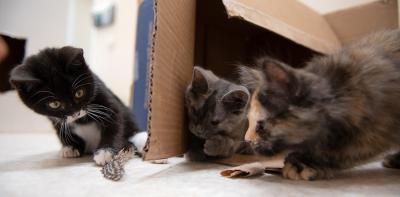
(112, 48)
(43, 23)
(79, 24)
(326, 6)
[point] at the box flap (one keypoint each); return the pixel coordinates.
(288, 18)
(353, 23)
(171, 68)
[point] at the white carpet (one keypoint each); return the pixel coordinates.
(30, 166)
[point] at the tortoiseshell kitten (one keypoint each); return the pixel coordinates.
(88, 117)
(341, 110)
(217, 112)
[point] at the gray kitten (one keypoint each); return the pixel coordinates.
(339, 111)
(217, 112)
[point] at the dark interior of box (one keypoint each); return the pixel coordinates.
(222, 43)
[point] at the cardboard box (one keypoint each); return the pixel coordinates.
(217, 34)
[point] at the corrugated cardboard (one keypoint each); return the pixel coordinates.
(225, 33)
(353, 23)
(171, 66)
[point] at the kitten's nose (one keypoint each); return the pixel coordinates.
(260, 126)
(76, 114)
(215, 122)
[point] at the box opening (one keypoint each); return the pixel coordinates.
(222, 42)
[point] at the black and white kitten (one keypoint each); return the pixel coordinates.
(88, 117)
(217, 112)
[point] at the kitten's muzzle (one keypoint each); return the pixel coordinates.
(262, 147)
(253, 134)
(76, 116)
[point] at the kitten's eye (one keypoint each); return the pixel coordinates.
(54, 104)
(237, 112)
(79, 93)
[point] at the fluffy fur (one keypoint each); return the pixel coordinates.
(217, 115)
(88, 117)
(339, 111)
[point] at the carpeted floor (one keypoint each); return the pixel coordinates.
(30, 166)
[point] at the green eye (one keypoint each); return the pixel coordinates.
(79, 93)
(54, 104)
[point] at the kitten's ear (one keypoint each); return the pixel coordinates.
(250, 78)
(276, 73)
(202, 79)
(236, 98)
(22, 79)
(74, 56)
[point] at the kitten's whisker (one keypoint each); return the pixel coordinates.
(81, 81)
(105, 119)
(65, 140)
(83, 85)
(101, 117)
(108, 112)
(65, 134)
(100, 112)
(94, 117)
(81, 75)
(68, 133)
(100, 107)
(97, 106)
(43, 99)
(59, 133)
(42, 91)
(78, 78)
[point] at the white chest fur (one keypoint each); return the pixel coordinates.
(90, 133)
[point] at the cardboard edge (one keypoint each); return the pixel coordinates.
(165, 132)
(237, 9)
(150, 81)
(339, 19)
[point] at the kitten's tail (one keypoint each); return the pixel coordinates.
(139, 140)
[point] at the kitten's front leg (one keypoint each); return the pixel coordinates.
(220, 146)
(111, 142)
(72, 145)
(105, 151)
(300, 166)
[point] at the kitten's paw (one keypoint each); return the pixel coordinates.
(295, 169)
(195, 155)
(69, 152)
(103, 156)
(392, 161)
(218, 146)
(299, 172)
